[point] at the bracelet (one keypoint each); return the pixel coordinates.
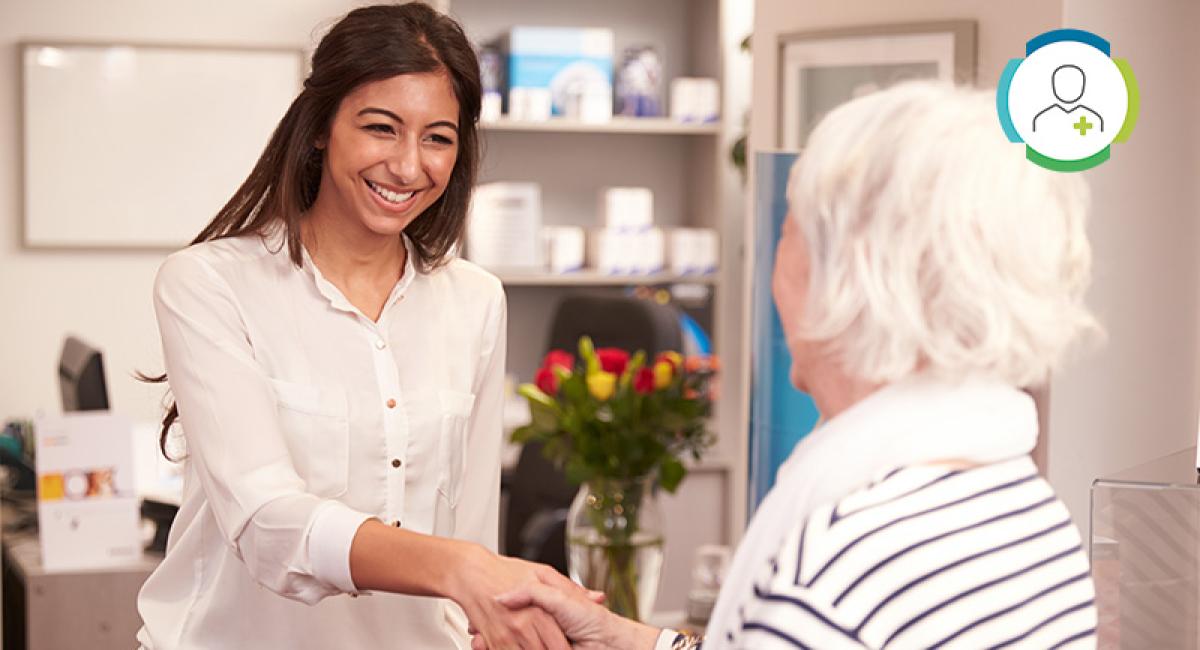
(684, 641)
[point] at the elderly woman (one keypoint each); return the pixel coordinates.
(926, 273)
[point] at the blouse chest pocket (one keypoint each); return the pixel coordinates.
(452, 443)
(316, 427)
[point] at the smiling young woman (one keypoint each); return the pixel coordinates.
(338, 374)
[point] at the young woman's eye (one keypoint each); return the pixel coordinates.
(380, 128)
(441, 139)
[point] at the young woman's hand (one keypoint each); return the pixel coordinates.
(483, 575)
(587, 624)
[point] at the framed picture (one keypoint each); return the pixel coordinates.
(821, 70)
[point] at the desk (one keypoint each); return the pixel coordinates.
(78, 609)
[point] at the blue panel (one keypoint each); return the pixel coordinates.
(780, 415)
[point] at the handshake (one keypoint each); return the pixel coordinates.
(513, 604)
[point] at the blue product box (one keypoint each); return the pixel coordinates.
(559, 59)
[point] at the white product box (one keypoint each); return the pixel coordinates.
(490, 109)
(529, 104)
(649, 251)
(87, 500)
(607, 250)
(588, 101)
(505, 227)
(627, 208)
(626, 252)
(692, 250)
(709, 245)
(680, 251)
(695, 99)
(564, 248)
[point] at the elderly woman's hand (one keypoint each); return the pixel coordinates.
(588, 625)
(486, 575)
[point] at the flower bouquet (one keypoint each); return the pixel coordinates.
(619, 425)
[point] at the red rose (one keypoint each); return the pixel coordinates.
(546, 381)
(613, 360)
(560, 358)
(643, 381)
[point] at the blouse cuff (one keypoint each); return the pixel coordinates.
(329, 540)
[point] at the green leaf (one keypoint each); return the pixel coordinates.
(671, 473)
(522, 435)
(574, 389)
(545, 418)
(577, 471)
(587, 352)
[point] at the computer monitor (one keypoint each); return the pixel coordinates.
(81, 377)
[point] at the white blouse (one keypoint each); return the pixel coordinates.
(302, 418)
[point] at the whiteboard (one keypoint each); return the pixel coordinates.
(139, 146)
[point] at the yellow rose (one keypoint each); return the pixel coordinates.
(663, 373)
(602, 384)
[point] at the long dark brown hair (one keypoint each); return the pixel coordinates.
(368, 44)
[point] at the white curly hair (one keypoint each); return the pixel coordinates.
(934, 245)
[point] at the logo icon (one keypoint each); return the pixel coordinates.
(1068, 100)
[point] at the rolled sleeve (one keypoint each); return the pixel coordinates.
(329, 541)
(235, 444)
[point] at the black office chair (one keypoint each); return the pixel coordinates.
(539, 494)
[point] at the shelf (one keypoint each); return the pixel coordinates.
(594, 279)
(639, 125)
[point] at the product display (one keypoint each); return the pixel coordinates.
(570, 66)
(692, 250)
(564, 248)
(626, 208)
(505, 227)
(491, 72)
(695, 99)
(639, 83)
(529, 104)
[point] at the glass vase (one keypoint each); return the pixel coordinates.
(615, 543)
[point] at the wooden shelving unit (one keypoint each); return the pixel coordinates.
(631, 125)
(594, 279)
(688, 168)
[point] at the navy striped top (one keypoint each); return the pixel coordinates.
(929, 557)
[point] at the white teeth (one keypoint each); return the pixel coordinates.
(388, 195)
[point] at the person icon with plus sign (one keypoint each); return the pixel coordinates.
(1068, 82)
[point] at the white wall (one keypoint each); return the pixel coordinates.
(1135, 399)
(104, 296)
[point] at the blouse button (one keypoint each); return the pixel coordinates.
(396, 462)
(380, 344)
(391, 403)
(396, 523)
